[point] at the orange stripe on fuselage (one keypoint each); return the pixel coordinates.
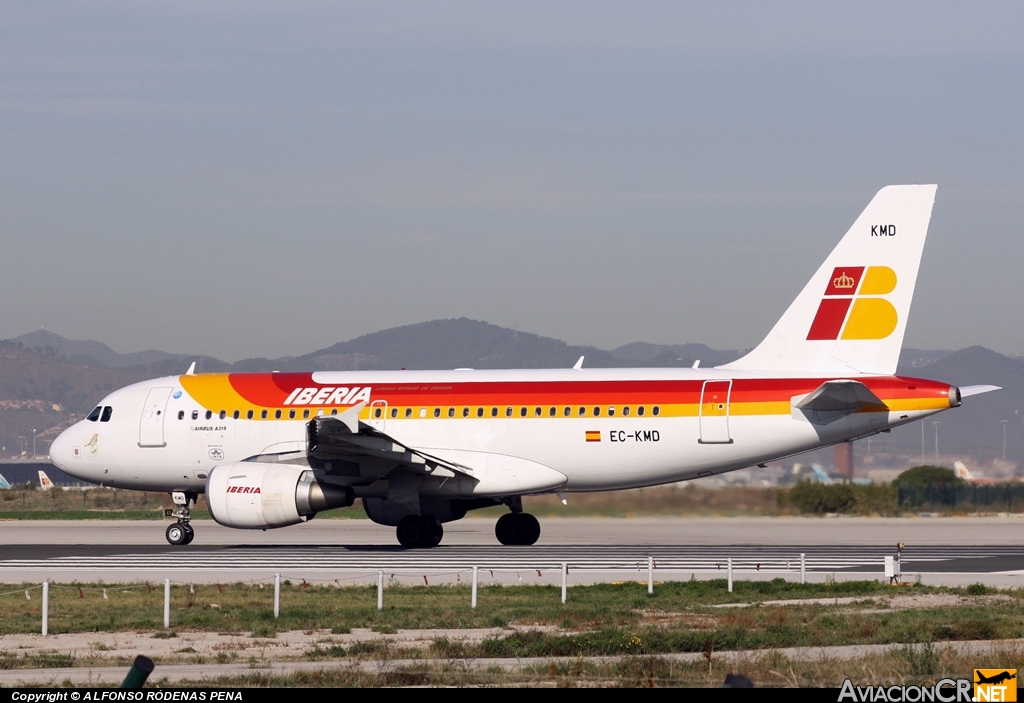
(241, 391)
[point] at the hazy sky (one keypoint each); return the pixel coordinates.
(260, 179)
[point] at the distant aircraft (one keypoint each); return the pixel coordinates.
(3, 483)
(964, 474)
(44, 481)
(421, 448)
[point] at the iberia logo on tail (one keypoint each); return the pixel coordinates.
(853, 307)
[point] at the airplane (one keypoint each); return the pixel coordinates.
(4, 485)
(44, 481)
(421, 448)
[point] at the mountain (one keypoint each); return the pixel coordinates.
(91, 353)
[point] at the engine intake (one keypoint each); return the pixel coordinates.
(252, 495)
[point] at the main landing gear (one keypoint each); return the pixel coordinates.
(419, 531)
(181, 533)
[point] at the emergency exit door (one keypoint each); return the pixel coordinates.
(714, 412)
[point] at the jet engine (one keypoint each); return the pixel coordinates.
(255, 495)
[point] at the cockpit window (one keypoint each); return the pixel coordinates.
(95, 414)
(106, 414)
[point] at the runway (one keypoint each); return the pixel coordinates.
(946, 550)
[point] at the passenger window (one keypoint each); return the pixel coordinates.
(223, 414)
(567, 412)
(277, 414)
(263, 414)
(465, 412)
(522, 412)
(423, 412)
(376, 412)
(551, 412)
(437, 412)
(334, 411)
(508, 412)
(479, 412)
(95, 414)
(291, 414)
(625, 411)
(451, 412)
(597, 411)
(583, 411)
(235, 415)
(249, 414)
(408, 412)
(394, 412)
(181, 414)
(640, 410)
(305, 413)
(537, 412)
(209, 414)
(320, 412)
(195, 414)
(611, 412)
(494, 412)
(656, 410)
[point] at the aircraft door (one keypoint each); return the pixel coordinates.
(714, 412)
(151, 425)
(378, 414)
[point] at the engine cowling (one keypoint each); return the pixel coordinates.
(252, 495)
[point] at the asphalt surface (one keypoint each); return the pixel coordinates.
(946, 550)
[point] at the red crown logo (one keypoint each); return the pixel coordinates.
(844, 281)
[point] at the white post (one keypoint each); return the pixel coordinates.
(650, 576)
(565, 578)
(803, 568)
(380, 590)
(277, 596)
(167, 602)
(46, 607)
(473, 604)
(730, 574)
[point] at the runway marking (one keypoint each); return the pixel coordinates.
(544, 557)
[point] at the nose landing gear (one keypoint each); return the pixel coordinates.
(181, 533)
(517, 527)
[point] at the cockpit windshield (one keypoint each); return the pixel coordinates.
(106, 414)
(95, 414)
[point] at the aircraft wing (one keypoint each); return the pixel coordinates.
(369, 454)
(835, 399)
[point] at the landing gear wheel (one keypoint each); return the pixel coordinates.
(517, 528)
(436, 531)
(191, 534)
(177, 534)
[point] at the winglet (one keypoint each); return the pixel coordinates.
(579, 364)
(191, 370)
(350, 418)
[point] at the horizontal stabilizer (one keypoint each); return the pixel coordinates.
(966, 391)
(835, 399)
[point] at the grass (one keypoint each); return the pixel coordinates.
(910, 665)
(600, 619)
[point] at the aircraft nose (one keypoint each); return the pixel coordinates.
(60, 451)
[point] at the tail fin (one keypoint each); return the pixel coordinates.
(44, 481)
(851, 316)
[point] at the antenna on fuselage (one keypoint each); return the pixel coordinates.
(579, 364)
(695, 364)
(191, 370)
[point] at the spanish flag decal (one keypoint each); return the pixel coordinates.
(593, 436)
